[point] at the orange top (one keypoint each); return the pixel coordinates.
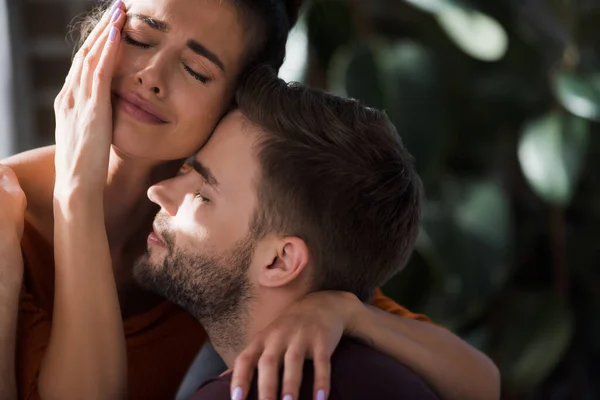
(161, 343)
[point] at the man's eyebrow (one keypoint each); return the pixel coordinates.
(151, 22)
(204, 52)
(206, 174)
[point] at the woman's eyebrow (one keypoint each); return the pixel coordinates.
(151, 22)
(191, 44)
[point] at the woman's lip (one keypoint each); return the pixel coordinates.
(133, 108)
(154, 239)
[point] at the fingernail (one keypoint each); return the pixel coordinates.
(237, 394)
(288, 397)
(113, 33)
(321, 395)
(116, 5)
(116, 15)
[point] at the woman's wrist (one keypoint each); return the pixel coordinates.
(356, 315)
(77, 200)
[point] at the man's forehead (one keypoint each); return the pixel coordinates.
(230, 148)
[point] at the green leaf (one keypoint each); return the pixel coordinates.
(355, 72)
(466, 237)
(551, 154)
(401, 78)
(579, 94)
(537, 329)
(330, 26)
(477, 34)
(434, 6)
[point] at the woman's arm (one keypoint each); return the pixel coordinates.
(454, 369)
(313, 327)
(86, 354)
(11, 263)
(12, 210)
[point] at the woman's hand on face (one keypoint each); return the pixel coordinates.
(84, 112)
(311, 329)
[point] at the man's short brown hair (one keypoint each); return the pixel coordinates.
(336, 174)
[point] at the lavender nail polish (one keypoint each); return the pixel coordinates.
(237, 394)
(288, 397)
(116, 6)
(321, 395)
(112, 34)
(116, 15)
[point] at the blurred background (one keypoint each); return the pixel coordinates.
(499, 101)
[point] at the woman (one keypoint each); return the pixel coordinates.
(158, 80)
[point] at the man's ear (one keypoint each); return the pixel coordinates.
(287, 259)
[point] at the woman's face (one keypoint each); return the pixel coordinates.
(175, 75)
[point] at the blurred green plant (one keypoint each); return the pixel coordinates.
(500, 103)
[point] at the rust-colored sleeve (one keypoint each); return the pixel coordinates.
(386, 304)
(33, 333)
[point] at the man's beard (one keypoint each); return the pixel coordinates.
(213, 288)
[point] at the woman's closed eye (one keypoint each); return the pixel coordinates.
(132, 42)
(129, 40)
(195, 75)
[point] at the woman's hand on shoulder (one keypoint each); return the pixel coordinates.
(311, 329)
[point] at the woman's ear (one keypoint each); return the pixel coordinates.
(289, 258)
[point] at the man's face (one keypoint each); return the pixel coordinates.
(201, 248)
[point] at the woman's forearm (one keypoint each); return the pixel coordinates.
(86, 352)
(453, 369)
(10, 261)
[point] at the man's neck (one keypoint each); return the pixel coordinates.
(231, 336)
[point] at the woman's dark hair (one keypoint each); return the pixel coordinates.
(277, 17)
(272, 21)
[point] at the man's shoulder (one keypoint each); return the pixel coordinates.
(214, 389)
(357, 372)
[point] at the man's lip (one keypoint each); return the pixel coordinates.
(155, 237)
(142, 104)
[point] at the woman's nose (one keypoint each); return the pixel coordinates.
(152, 78)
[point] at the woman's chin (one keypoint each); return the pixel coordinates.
(132, 145)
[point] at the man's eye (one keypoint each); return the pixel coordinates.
(129, 40)
(203, 199)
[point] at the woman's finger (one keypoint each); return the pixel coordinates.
(322, 364)
(74, 75)
(106, 64)
(268, 371)
(243, 370)
(91, 60)
(292, 371)
(100, 54)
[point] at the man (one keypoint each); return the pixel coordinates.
(297, 191)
